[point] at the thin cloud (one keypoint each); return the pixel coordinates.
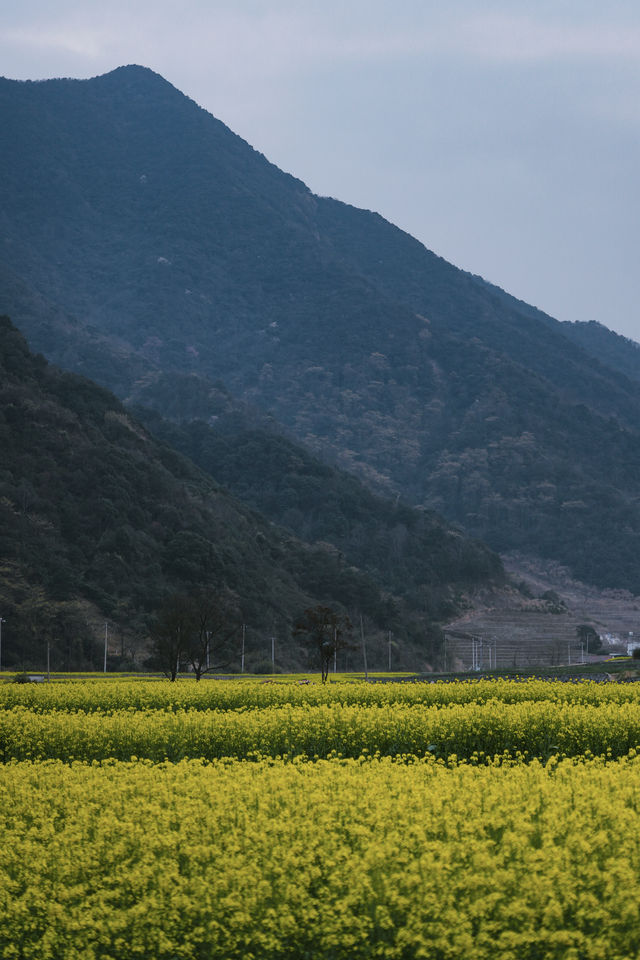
(70, 39)
(503, 37)
(273, 41)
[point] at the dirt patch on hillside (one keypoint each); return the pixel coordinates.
(534, 619)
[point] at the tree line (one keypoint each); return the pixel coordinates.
(199, 632)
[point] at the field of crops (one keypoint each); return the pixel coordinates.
(108, 695)
(242, 819)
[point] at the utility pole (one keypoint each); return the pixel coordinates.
(106, 640)
(477, 653)
(335, 649)
(364, 649)
(242, 654)
(493, 653)
(2, 620)
(48, 661)
(389, 646)
(273, 651)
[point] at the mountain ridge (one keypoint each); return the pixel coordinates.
(183, 251)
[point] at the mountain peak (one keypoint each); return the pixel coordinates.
(133, 71)
(133, 76)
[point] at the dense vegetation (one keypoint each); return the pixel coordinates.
(150, 248)
(99, 521)
(412, 552)
(470, 731)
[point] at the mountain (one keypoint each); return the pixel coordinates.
(150, 246)
(100, 521)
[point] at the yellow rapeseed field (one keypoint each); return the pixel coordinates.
(248, 692)
(407, 822)
(531, 729)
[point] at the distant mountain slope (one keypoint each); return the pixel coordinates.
(619, 353)
(605, 346)
(410, 552)
(179, 249)
(94, 511)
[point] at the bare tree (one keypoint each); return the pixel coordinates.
(216, 620)
(171, 633)
(325, 632)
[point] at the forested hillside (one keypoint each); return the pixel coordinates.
(411, 552)
(149, 247)
(98, 521)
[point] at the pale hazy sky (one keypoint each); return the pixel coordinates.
(504, 135)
